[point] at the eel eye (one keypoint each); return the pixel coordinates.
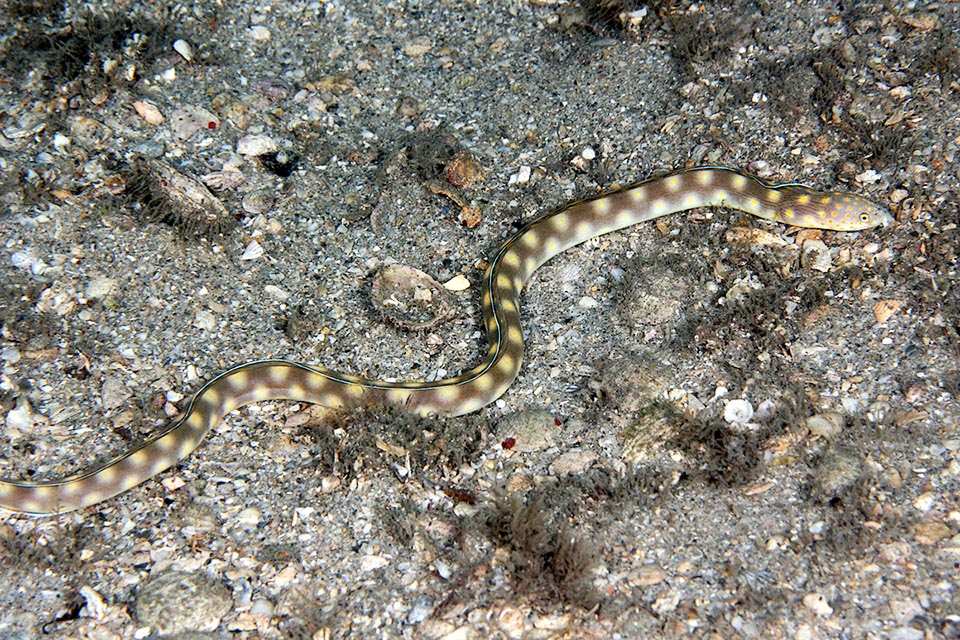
(864, 217)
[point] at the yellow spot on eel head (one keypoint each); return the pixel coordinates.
(774, 195)
(803, 199)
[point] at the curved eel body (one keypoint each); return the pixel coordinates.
(538, 241)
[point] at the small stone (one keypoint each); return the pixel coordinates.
(837, 471)
(532, 430)
(175, 602)
(262, 607)
(418, 47)
(249, 517)
(372, 562)
(421, 609)
(925, 501)
(666, 603)
(573, 463)
(99, 288)
(826, 425)
(113, 393)
(188, 120)
(259, 33)
(276, 292)
(883, 309)
(458, 282)
(647, 576)
(930, 532)
(816, 255)
(204, 319)
(817, 603)
(522, 175)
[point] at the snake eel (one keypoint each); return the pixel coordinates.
(536, 242)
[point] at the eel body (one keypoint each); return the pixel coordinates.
(537, 241)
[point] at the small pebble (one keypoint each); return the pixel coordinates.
(573, 463)
(818, 604)
(182, 603)
(262, 607)
(458, 282)
(372, 562)
(421, 609)
(259, 33)
(836, 471)
(10, 355)
(249, 517)
(826, 425)
(816, 255)
(99, 288)
(532, 430)
(188, 120)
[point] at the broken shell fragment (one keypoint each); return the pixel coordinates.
(410, 298)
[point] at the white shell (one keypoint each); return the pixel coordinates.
(149, 112)
(739, 411)
(256, 145)
(253, 251)
(184, 49)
